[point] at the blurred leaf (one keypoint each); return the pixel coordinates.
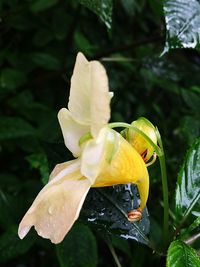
(103, 8)
(191, 228)
(14, 127)
(78, 249)
(156, 6)
(39, 161)
(45, 61)
(188, 184)
(83, 44)
(190, 128)
(130, 6)
(11, 78)
(107, 209)
(192, 98)
(40, 5)
(121, 244)
(12, 246)
(182, 19)
(181, 255)
(42, 37)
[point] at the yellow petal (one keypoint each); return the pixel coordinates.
(58, 205)
(126, 166)
(72, 131)
(89, 101)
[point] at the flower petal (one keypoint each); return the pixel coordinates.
(72, 131)
(89, 101)
(97, 152)
(125, 166)
(58, 205)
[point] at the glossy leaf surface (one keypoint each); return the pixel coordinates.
(182, 19)
(188, 185)
(181, 255)
(107, 209)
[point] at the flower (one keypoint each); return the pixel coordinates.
(103, 157)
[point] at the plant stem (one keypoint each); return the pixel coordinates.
(112, 250)
(165, 192)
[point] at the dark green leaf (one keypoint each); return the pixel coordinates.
(39, 161)
(182, 19)
(191, 228)
(103, 8)
(190, 128)
(45, 61)
(188, 185)
(78, 249)
(11, 78)
(40, 5)
(107, 209)
(11, 246)
(181, 255)
(14, 127)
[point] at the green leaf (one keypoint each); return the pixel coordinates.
(11, 78)
(182, 19)
(107, 209)
(181, 255)
(188, 185)
(40, 5)
(45, 61)
(103, 8)
(189, 128)
(14, 127)
(11, 246)
(39, 161)
(191, 228)
(78, 248)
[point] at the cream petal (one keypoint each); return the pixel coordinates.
(72, 131)
(89, 101)
(95, 153)
(57, 206)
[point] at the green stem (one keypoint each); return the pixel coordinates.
(165, 192)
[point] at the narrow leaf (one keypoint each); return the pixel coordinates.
(78, 248)
(182, 19)
(181, 255)
(102, 8)
(188, 185)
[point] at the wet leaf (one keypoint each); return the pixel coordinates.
(188, 185)
(181, 255)
(182, 19)
(107, 208)
(103, 9)
(78, 248)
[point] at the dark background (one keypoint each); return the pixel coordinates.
(38, 47)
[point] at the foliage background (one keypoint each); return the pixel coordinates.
(39, 40)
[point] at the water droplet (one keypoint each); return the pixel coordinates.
(50, 210)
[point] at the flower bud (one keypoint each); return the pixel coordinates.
(143, 147)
